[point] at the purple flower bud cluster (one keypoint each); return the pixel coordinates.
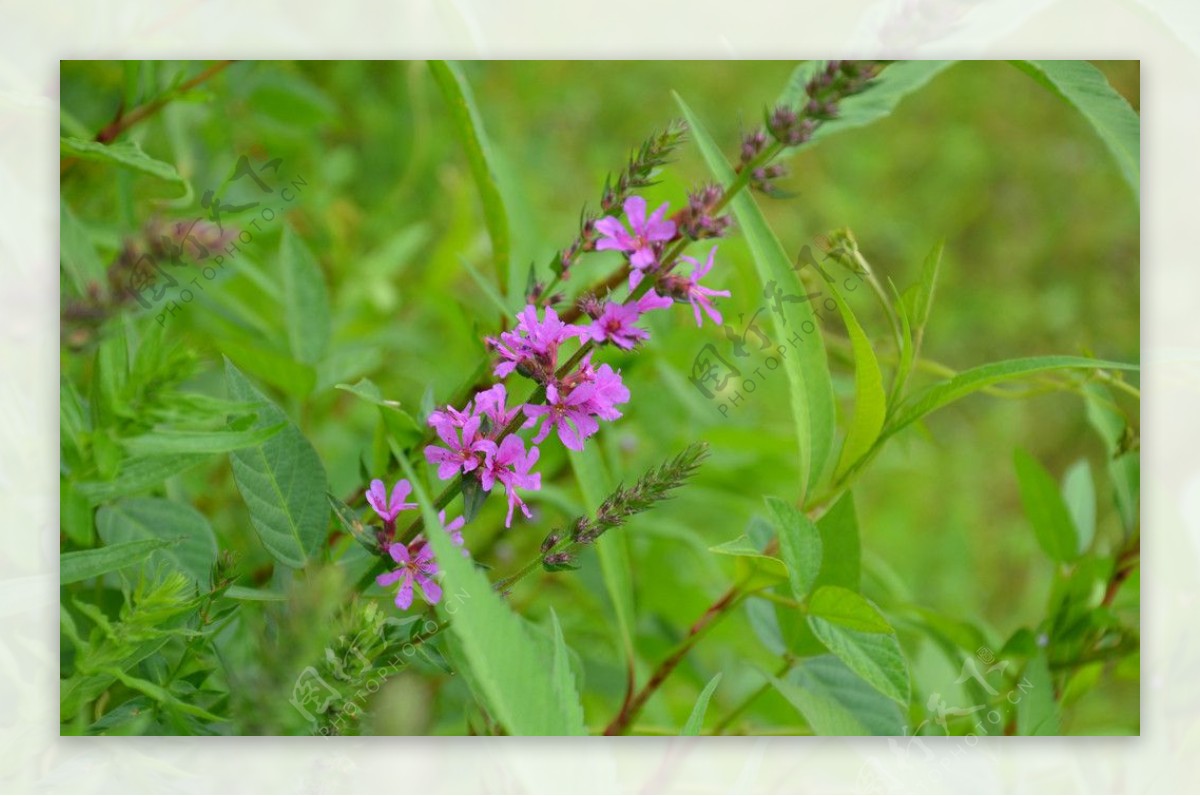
(699, 220)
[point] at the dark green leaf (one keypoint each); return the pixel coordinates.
(85, 564)
(836, 701)
(281, 480)
(126, 154)
(193, 547)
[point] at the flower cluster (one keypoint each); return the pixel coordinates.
(415, 558)
(480, 442)
(475, 443)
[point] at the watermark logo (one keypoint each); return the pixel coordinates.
(752, 355)
(205, 242)
(336, 692)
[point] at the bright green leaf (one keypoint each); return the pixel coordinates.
(799, 544)
(1085, 87)
(896, 82)
(806, 366)
(975, 379)
(503, 657)
(1046, 510)
(168, 442)
(126, 154)
(469, 125)
(1079, 493)
(695, 721)
(854, 630)
(1037, 713)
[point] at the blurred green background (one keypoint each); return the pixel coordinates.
(1042, 242)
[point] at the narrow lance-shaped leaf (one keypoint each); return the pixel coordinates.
(74, 567)
(1085, 87)
(975, 379)
(870, 400)
(281, 480)
(695, 721)
(896, 82)
(1079, 493)
(804, 359)
(170, 441)
(1046, 510)
(469, 125)
(504, 661)
(305, 299)
(612, 548)
(126, 154)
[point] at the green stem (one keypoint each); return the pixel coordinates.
(749, 700)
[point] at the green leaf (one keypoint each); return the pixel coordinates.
(765, 624)
(1046, 510)
(305, 299)
(563, 679)
(842, 554)
(975, 379)
(467, 122)
(806, 366)
(836, 701)
(1110, 115)
(399, 423)
(695, 721)
(193, 549)
(138, 474)
(854, 630)
(1079, 493)
(502, 655)
(294, 378)
(1124, 469)
(612, 548)
(85, 564)
(896, 82)
(1037, 713)
(77, 254)
(126, 154)
(174, 442)
(281, 480)
(800, 545)
(870, 400)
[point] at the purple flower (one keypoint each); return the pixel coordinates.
(533, 342)
(387, 510)
(450, 418)
(700, 296)
(464, 447)
(616, 322)
(415, 564)
(509, 464)
(491, 403)
(455, 530)
(571, 414)
(641, 244)
(607, 390)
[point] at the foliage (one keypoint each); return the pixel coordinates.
(278, 280)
